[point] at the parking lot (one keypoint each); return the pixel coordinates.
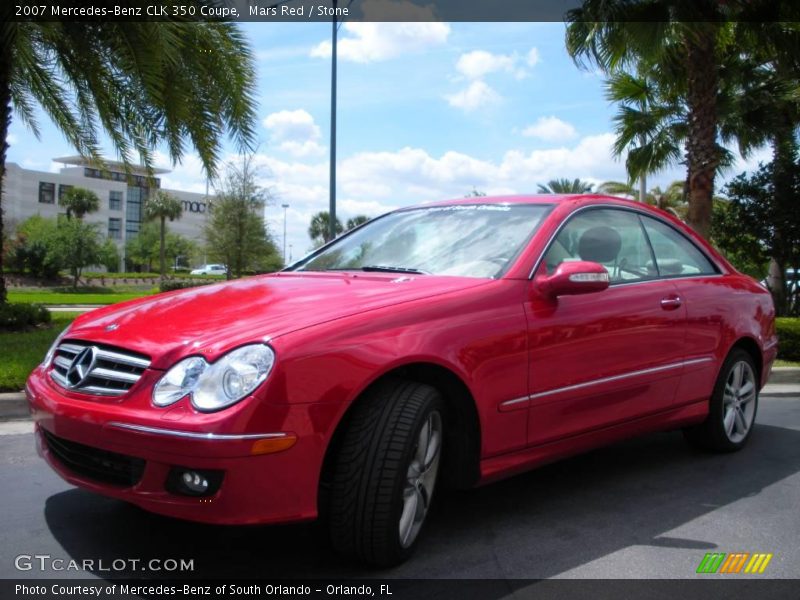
(647, 508)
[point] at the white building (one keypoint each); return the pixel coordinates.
(27, 192)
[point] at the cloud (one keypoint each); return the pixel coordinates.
(550, 129)
(477, 94)
(295, 132)
(475, 66)
(479, 63)
(11, 139)
(372, 183)
(369, 42)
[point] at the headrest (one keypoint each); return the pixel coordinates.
(599, 244)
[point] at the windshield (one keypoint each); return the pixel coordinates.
(469, 240)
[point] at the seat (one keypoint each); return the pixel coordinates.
(599, 244)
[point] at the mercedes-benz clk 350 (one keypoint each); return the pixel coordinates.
(446, 344)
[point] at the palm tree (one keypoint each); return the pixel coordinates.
(649, 126)
(143, 84)
(79, 201)
(354, 222)
(672, 199)
(162, 206)
(682, 43)
(565, 186)
(319, 229)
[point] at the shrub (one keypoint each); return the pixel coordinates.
(170, 285)
(788, 338)
(16, 317)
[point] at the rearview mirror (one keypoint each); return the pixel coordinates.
(574, 277)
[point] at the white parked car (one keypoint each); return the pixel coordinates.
(210, 270)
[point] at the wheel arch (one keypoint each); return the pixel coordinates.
(461, 457)
(750, 345)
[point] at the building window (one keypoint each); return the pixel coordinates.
(133, 210)
(63, 189)
(47, 192)
(114, 200)
(115, 229)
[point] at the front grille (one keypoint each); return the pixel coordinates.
(94, 463)
(99, 370)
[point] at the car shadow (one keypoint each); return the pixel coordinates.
(535, 525)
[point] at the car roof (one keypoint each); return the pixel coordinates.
(524, 199)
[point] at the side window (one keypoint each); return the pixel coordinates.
(613, 238)
(675, 255)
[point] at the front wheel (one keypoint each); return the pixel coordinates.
(386, 472)
(733, 407)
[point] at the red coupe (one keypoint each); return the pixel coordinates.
(443, 344)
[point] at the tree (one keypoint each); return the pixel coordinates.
(142, 83)
(236, 233)
(693, 53)
(565, 186)
(762, 223)
(77, 243)
(108, 256)
(475, 193)
(79, 201)
(32, 248)
(162, 206)
(354, 222)
(681, 41)
(320, 228)
(142, 250)
(145, 249)
(671, 199)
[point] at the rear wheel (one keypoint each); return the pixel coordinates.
(386, 472)
(733, 407)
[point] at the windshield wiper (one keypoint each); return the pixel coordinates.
(388, 269)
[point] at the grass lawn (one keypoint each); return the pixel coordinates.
(786, 363)
(83, 296)
(22, 351)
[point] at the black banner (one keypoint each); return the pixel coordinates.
(403, 589)
(383, 10)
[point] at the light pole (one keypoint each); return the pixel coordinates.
(290, 253)
(284, 206)
(332, 207)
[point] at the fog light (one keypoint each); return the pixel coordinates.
(193, 482)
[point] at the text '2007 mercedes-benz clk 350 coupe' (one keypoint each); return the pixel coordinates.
(447, 344)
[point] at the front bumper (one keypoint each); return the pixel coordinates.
(280, 486)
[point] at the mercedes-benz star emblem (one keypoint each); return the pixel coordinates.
(112, 327)
(81, 366)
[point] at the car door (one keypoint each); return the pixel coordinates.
(709, 303)
(607, 357)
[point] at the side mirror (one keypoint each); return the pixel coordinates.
(574, 277)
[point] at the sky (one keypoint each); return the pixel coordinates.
(426, 111)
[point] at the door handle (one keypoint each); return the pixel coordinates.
(671, 302)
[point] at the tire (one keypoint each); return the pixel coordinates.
(377, 481)
(733, 407)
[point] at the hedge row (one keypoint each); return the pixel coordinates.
(17, 317)
(177, 284)
(788, 338)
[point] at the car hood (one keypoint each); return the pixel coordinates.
(212, 319)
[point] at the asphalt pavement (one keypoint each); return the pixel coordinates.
(646, 508)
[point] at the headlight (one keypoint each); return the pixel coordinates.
(179, 381)
(218, 385)
(48, 358)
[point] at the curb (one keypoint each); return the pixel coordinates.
(785, 375)
(13, 406)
